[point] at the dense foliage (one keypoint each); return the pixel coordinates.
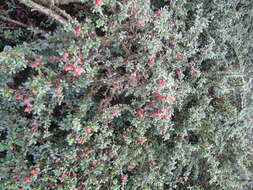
(132, 94)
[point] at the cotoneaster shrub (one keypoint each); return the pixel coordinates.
(136, 95)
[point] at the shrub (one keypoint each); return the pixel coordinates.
(134, 95)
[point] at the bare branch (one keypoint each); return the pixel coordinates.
(44, 10)
(13, 21)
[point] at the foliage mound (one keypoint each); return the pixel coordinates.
(132, 94)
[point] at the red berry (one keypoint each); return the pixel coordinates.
(78, 30)
(28, 180)
(37, 63)
(162, 82)
(26, 101)
(62, 175)
(75, 158)
(84, 138)
(139, 22)
(139, 111)
(67, 158)
(87, 151)
(158, 13)
(175, 101)
(28, 109)
(65, 54)
(168, 109)
(106, 36)
(88, 130)
(179, 58)
(129, 166)
(20, 188)
(39, 76)
(141, 139)
(19, 97)
(133, 12)
(93, 163)
(98, 2)
(68, 68)
(162, 97)
(113, 27)
(77, 71)
(173, 42)
(165, 117)
(58, 88)
(58, 95)
(155, 114)
(124, 178)
(79, 141)
(79, 59)
(155, 93)
(33, 172)
(127, 62)
(150, 61)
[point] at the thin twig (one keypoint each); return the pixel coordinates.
(44, 10)
(13, 21)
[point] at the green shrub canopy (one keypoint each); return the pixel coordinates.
(134, 95)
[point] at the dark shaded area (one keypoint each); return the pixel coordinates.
(3, 154)
(30, 159)
(59, 135)
(3, 135)
(193, 138)
(100, 94)
(99, 32)
(158, 4)
(122, 99)
(206, 65)
(21, 77)
(60, 111)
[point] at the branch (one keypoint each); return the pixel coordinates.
(44, 10)
(13, 21)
